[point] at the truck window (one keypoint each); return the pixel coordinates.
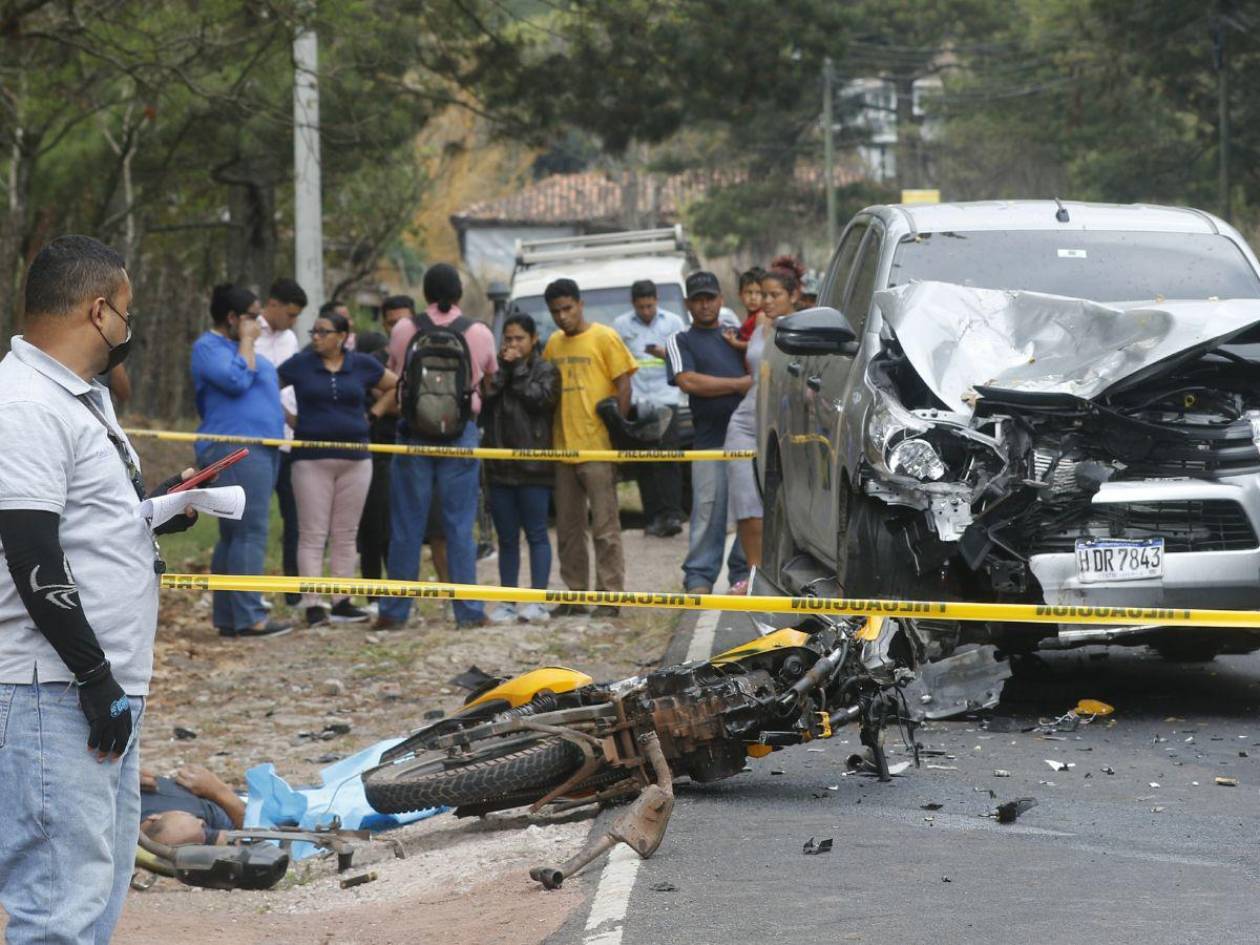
(601, 305)
(1101, 265)
(858, 307)
(842, 266)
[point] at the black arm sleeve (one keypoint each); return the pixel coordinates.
(32, 547)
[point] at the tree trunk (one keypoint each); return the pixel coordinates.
(251, 247)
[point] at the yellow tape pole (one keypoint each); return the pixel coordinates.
(462, 452)
(950, 610)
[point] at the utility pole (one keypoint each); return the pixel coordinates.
(829, 160)
(1222, 119)
(308, 223)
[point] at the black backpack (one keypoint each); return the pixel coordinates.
(435, 390)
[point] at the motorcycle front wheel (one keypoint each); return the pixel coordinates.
(494, 770)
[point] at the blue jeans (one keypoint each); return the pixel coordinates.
(514, 508)
(707, 537)
(412, 480)
(242, 546)
(69, 838)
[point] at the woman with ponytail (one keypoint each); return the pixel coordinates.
(780, 290)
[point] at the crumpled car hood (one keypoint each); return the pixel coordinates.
(960, 338)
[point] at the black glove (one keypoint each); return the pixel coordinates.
(178, 523)
(108, 712)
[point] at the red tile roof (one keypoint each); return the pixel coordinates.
(593, 196)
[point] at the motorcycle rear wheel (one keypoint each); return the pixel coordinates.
(525, 769)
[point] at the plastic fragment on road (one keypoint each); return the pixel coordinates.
(1010, 811)
(1227, 782)
(814, 849)
(1001, 773)
(1060, 765)
(1093, 707)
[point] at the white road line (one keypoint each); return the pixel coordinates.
(606, 923)
(612, 898)
(701, 647)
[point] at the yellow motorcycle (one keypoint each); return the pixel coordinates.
(554, 737)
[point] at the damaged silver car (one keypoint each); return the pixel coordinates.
(1023, 402)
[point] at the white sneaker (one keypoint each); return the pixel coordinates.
(504, 613)
(373, 609)
(534, 613)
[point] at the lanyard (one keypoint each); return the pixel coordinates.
(129, 465)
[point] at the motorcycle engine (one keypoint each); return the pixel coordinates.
(704, 717)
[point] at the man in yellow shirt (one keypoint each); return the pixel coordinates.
(594, 363)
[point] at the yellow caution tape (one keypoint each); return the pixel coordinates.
(461, 452)
(947, 610)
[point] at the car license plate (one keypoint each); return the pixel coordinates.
(1117, 559)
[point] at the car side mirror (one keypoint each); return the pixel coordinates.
(815, 331)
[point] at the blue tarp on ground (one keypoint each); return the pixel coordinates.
(273, 803)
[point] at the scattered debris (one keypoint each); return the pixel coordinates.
(777, 771)
(474, 678)
(1107, 769)
(1001, 773)
(1157, 810)
(1227, 782)
(946, 879)
(361, 880)
(1154, 784)
(812, 849)
(932, 806)
(971, 679)
(332, 687)
(184, 734)
(663, 886)
(899, 768)
(1060, 765)
(1010, 811)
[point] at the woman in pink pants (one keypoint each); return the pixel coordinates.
(334, 394)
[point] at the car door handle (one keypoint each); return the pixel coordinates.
(794, 368)
(814, 382)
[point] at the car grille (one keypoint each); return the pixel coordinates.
(1200, 525)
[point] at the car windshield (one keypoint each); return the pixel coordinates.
(1101, 265)
(601, 305)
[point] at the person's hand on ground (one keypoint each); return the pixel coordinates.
(148, 781)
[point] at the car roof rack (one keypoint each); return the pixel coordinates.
(668, 239)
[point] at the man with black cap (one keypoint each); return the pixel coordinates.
(711, 372)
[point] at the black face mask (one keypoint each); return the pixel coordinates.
(117, 353)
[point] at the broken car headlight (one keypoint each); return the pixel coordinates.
(918, 459)
(888, 422)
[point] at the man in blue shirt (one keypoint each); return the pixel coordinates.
(646, 329)
(702, 364)
(238, 393)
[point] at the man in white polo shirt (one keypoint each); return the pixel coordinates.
(78, 605)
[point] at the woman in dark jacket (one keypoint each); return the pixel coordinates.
(518, 403)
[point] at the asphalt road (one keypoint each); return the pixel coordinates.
(1153, 853)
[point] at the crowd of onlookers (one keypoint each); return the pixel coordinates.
(435, 376)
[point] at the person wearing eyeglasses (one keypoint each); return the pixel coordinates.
(333, 388)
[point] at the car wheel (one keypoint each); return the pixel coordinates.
(872, 562)
(777, 545)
